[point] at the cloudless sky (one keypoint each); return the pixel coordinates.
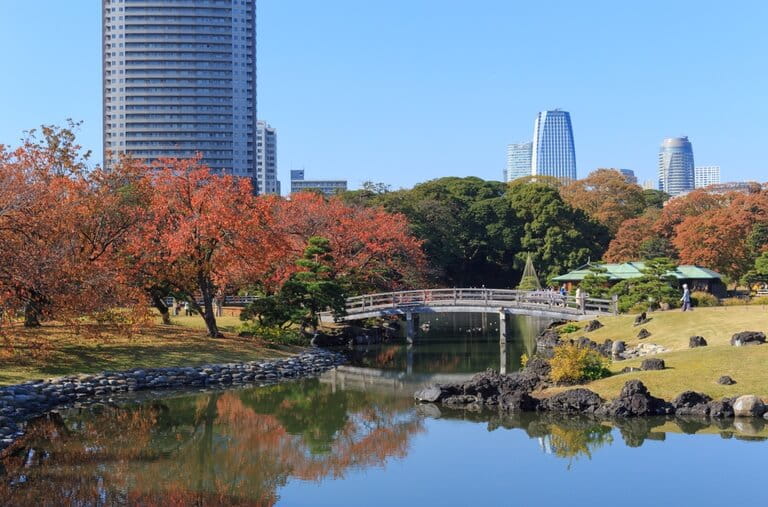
(401, 91)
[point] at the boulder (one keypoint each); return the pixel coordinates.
(429, 394)
(635, 400)
(593, 325)
(518, 402)
(629, 369)
(726, 380)
(696, 341)
(461, 400)
(652, 364)
(641, 319)
(748, 338)
(537, 367)
(720, 409)
(617, 348)
(643, 334)
(548, 339)
(748, 406)
(691, 403)
(573, 401)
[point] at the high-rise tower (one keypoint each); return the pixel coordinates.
(676, 169)
(179, 77)
(553, 151)
(706, 175)
(266, 159)
(518, 161)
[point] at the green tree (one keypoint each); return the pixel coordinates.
(655, 198)
(651, 289)
(595, 283)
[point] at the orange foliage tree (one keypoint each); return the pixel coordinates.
(203, 232)
(606, 196)
(372, 248)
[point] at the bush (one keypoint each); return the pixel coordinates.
(734, 302)
(701, 298)
(759, 300)
(638, 308)
(568, 328)
(571, 365)
(275, 335)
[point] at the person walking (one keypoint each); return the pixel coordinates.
(686, 299)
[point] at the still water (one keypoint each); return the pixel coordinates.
(351, 438)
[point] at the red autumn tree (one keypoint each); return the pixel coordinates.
(61, 224)
(372, 248)
(718, 238)
(204, 231)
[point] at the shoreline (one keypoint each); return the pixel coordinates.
(23, 402)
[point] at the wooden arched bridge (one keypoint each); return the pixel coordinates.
(505, 302)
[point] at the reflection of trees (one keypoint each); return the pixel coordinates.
(236, 447)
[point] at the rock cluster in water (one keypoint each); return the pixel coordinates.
(22, 402)
(514, 393)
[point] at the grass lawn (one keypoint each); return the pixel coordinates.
(57, 350)
(690, 369)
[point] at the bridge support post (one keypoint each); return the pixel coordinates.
(410, 327)
(409, 360)
(503, 326)
(503, 357)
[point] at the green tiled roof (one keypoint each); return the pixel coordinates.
(627, 270)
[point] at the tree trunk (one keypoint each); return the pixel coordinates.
(206, 288)
(157, 302)
(33, 310)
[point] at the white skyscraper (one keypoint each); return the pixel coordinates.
(707, 175)
(518, 161)
(179, 77)
(265, 181)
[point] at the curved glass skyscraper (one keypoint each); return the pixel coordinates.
(553, 150)
(676, 169)
(180, 77)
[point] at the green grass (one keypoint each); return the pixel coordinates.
(58, 350)
(690, 369)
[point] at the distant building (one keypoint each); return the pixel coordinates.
(649, 185)
(705, 176)
(553, 152)
(518, 161)
(628, 174)
(266, 160)
(746, 187)
(676, 169)
(327, 187)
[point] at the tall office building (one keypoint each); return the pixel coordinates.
(266, 160)
(676, 173)
(553, 152)
(179, 77)
(705, 176)
(518, 161)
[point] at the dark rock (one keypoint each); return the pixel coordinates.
(429, 394)
(643, 334)
(641, 319)
(635, 400)
(720, 409)
(696, 341)
(593, 325)
(538, 367)
(461, 400)
(652, 364)
(691, 403)
(573, 401)
(726, 380)
(548, 339)
(518, 402)
(748, 338)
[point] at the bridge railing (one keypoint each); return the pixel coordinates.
(481, 297)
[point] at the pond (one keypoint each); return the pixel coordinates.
(351, 438)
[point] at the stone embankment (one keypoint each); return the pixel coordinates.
(515, 393)
(22, 402)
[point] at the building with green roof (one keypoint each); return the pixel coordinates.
(696, 277)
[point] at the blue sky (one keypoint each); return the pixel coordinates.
(401, 91)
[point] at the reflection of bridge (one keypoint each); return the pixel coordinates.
(502, 301)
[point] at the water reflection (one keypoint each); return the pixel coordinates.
(236, 447)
